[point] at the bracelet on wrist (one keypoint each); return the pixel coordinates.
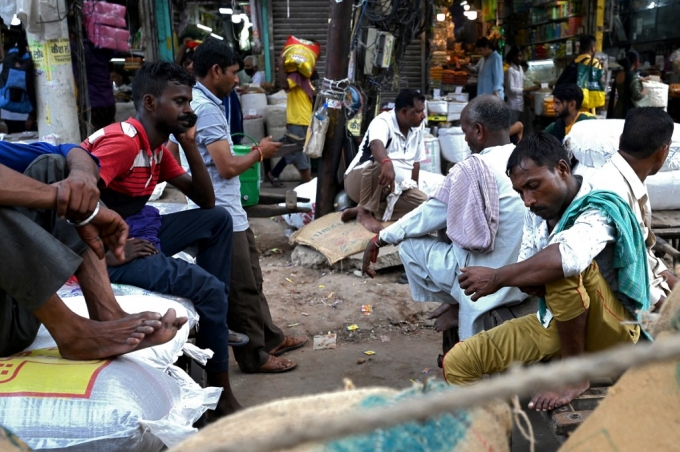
(88, 219)
(383, 161)
(257, 148)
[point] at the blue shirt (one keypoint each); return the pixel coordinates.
(212, 126)
(18, 156)
(490, 77)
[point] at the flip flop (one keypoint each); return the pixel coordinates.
(237, 339)
(272, 366)
(288, 344)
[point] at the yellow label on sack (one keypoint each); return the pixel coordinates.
(44, 373)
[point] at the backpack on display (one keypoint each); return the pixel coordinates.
(16, 81)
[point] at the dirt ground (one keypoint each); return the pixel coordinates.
(308, 302)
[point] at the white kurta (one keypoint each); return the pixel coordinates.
(433, 266)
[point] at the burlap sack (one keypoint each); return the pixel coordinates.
(482, 428)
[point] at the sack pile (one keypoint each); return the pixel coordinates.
(594, 142)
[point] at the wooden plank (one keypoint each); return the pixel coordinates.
(565, 423)
(665, 218)
(667, 233)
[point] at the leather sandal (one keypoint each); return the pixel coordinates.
(276, 365)
(288, 344)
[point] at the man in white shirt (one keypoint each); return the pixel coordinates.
(389, 156)
(592, 302)
(514, 83)
(432, 264)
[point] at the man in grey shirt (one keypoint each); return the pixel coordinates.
(215, 67)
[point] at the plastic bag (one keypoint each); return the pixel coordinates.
(589, 79)
(300, 55)
(316, 133)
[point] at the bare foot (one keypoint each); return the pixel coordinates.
(165, 332)
(368, 221)
(549, 400)
(446, 316)
(85, 339)
(227, 404)
(349, 214)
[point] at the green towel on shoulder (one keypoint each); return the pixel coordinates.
(630, 257)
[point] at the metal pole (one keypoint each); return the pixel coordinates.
(337, 64)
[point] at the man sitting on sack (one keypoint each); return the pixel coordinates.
(585, 250)
(388, 162)
(480, 213)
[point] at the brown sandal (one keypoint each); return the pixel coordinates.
(276, 365)
(288, 344)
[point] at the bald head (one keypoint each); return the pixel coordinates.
(486, 122)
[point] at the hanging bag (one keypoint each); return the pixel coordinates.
(316, 133)
(589, 79)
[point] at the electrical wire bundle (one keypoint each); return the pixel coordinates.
(406, 20)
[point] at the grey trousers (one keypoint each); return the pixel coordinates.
(39, 254)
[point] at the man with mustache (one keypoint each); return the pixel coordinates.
(568, 100)
(585, 250)
(133, 161)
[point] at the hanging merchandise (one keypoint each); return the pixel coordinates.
(316, 133)
(300, 55)
(15, 86)
(105, 23)
(353, 101)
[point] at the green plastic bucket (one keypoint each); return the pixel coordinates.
(250, 179)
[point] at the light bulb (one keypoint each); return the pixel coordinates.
(466, 7)
(471, 15)
(226, 11)
(236, 18)
(15, 21)
(441, 17)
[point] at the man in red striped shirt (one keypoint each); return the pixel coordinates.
(133, 160)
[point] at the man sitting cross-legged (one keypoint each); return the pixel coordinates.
(476, 196)
(41, 251)
(582, 251)
(133, 160)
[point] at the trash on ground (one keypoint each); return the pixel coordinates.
(305, 314)
(358, 273)
(384, 338)
(417, 380)
(321, 286)
(325, 341)
(366, 309)
(330, 295)
(427, 370)
(353, 327)
(291, 325)
(289, 280)
(369, 352)
(361, 361)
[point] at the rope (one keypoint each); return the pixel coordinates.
(521, 382)
(521, 417)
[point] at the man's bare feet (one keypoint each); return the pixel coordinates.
(227, 404)
(549, 400)
(446, 316)
(349, 214)
(169, 325)
(368, 221)
(85, 339)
